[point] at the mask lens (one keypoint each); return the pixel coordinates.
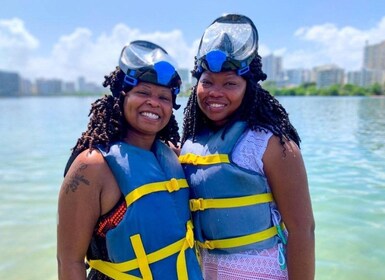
(233, 35)
(145, 61)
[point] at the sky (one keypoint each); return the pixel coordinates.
(68, 39)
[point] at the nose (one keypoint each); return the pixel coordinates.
(215, 91)
(153, 101)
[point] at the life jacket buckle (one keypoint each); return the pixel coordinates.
(172, 185)
(196, 204)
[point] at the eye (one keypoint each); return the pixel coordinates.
(142, 92)
(206, 82)
(230, 84)
(165, 98)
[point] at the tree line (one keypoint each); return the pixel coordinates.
(310, 89)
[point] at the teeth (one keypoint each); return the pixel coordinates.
(150, 115)
(216, 105)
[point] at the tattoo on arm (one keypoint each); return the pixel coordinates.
(76, 179)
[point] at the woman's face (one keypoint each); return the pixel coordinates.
(220, 95)
(147, 108)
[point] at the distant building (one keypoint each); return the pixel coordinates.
(10, 84)
(296, 77)
(354, 78)
(48, 86)
(374, 62)
(81, 84)
(365, 77)
(272, 67)
(88, 87)
(374, 56)
(27, 88)
(328, 75)
(69, 87)
(186, 77)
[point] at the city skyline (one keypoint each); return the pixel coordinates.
(69, 39)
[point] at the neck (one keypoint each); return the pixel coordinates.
(141, 141)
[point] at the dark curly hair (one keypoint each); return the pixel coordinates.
(107, 123)
(259, 108)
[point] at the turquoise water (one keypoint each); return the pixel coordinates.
(343, 147)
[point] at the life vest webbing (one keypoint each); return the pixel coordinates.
(170, 186)
(117, 270)
(239, 241)
(203, 160)
(141, 256)
(201, 204)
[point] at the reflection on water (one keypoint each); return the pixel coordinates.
(371, 112)
(342, 145)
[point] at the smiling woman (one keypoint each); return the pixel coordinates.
(147, 109)
(250, 201)
(123, 183)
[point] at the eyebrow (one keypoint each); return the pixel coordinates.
(149, 87)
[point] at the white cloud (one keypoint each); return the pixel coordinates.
(82, 53)
(329, 44)
(264, 50)
(16, 44)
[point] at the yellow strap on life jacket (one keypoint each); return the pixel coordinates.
(181, 259)
(141, 256)
(202, 204)
(170, 186)
(117, 270)
(203, 160)
(239, 241)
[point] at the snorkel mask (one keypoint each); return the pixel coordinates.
(147, 62)
(229, 43)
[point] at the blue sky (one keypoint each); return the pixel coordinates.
(67, 39)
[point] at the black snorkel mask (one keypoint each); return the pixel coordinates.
(147, 62)
(229, 43)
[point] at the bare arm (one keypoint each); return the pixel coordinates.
(287, 177)
(78, 211)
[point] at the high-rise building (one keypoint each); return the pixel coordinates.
(10, 84)
(328, 75)
(272, 67)
(296, 77)
(26, 87)
(185, 75)
(48, 86)
(69, 87)
(364, 77)
(81, 84)
(374, 56)
(374, 62)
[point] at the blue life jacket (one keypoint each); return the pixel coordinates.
(155, 239)
(231, 205)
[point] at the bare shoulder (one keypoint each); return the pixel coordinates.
(85, 171)
(283, 159)
(276, 150)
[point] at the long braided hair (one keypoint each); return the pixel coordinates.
(259, 108)
(107, 123)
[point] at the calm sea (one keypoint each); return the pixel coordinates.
(343, 144)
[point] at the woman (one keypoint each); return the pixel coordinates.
(123, 203)
(251, 207)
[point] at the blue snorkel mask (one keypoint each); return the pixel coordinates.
(147, 62)
(229, 43)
